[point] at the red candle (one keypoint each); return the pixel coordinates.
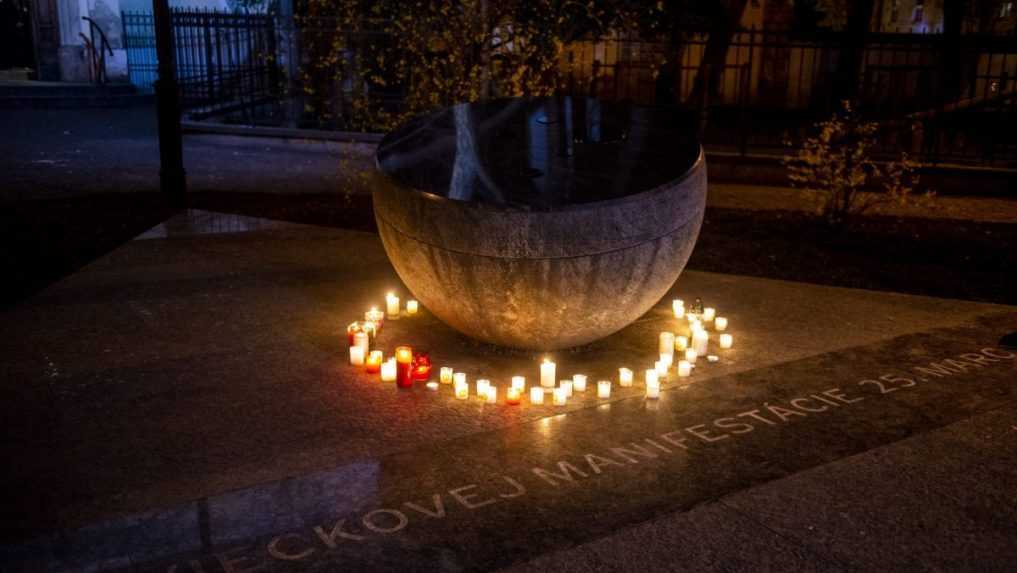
(404, 366)
(421, 366)
(352, 329)
(513, 395)
(373, 363)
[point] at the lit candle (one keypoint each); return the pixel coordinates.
(567, 386)
(700, 340)
(404, 366)
(513, 395)
(361, 339)
(388, 370)
(681, 343)
(652, 376)
(560, 397)
(432, 386)
(445, 375)
(712, 358)
(604, 389)
(547, 374)
(352, 330)
(691, 355)
(684, 368)
(667, 358)
(666, 343)
(579, 382)
(720, 323)
(652, 390)
(371, 328)
(536, 395)
(462, 389)
(374, 360)
(624, 377)
(459, 378)
(482, 386)
(678, 306)
(708, 313)
(492, 394)
(660, 368)
(519, 383)
(391, 306)
(411, 307)
(357, 355)
(726, 340)
(374, 315)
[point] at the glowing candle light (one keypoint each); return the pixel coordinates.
(388, 370)
(374, 315)
(352, 330)
(681, 343)
(482, 386)
(684, 368)
(579, 382)
(519, 383)
(667, 358)
(726, 340)
(462, 389)
(666, 342)
(700, 341)
(560, 397)
(708, 313)
(362, 340)
(678, 307)
(404, 366)
(492, 394)
(624, 377)
(357, 355)
(567, 386)
(391, 306)
(432, 386)
(652, 389)
(446, 375)
(536, 395)
(604, 389)
(513, 395)
(651, 376)
(373, 363)
(720, 324)
(691, 355)
(547, 373)
(660, 368)
(459, 378)
(412, 307)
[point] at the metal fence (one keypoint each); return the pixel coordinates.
(770, 89)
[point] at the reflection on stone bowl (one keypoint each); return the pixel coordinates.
(540, 223)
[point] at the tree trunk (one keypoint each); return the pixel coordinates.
(849, 66)
(724, 18)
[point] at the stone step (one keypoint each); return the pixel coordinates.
(31, 94)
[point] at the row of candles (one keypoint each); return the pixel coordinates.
(405, 367)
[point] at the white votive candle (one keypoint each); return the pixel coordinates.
(374, 315)
(708, 313)
(462, 390)
(720, 324)
(652, 390)
(459, 378)
(362, 340)
(432, 386)
(667, 358)
(666, 342)
(519, 383)
(536, 395)
(392, 306)
(482, 386)
(660, 368)
(492, 395)
(691, 355)
(388, 370)
(624, 377)
(560, 397)
(700, 341)
(446, 375)
(652, 376)
(678, 307)
(684, 368)
(412, 307)
(726, 340)
(547, 373)
(357, 355)
(567, 386)
(579, 382)
(681, 343)
(604, 389)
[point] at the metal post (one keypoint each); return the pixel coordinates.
(172, 178)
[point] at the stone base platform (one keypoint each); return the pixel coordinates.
(184, 404)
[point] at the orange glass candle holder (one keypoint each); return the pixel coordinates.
(404, 366)
(421, 366)
(373, 363)
(513, 395)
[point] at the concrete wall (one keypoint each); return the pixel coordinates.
(74, 61)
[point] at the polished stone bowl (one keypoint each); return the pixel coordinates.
(540, 223)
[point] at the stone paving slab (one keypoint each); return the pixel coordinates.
(195, 387)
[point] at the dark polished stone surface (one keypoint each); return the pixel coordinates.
(187, 399)
(541, 153)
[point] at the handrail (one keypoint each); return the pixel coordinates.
(97, 56)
